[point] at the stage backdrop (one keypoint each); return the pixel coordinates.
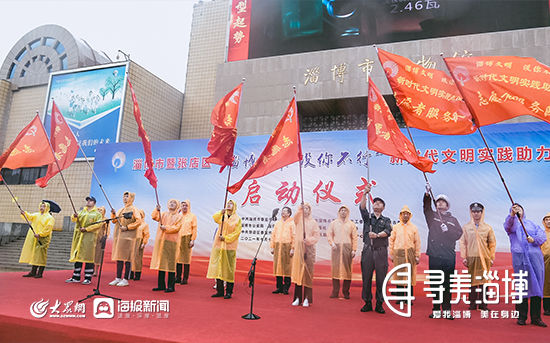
(334, 174)
(91, 101)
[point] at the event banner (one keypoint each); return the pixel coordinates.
(91, 101)
(335, 174)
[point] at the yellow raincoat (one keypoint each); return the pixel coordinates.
(188, 233)
(167, 241)
(342, 236)
(302, 266)
(32, 252)
(84, 243)
(223, 258)
(545, 247)
(477, 247)
(124, 241)
(282, 239)
(404, 244)
(142, 237)
(103, 231)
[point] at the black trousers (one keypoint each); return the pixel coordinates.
(162, 278)
(127, 267)
(88, 271)
(448, 267)
(523, 308)
(283, 283)
(302, 293)
(373, 260)
(546, 304)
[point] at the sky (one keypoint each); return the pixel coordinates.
(154, 32)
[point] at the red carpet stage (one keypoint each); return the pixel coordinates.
(196, 317)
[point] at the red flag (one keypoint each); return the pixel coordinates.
(283, 148)
(149, 173)
(498, 88)
(384, 135)
(29, 149)
(427, 98)
(64, 144)
(224, 118)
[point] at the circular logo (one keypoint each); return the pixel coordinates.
(461, 74)
(118, 160)
(391, 68)
(39, 308)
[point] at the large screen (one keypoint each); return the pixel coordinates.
(279, 27)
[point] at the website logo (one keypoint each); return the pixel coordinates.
(39, 308)
(104, 308)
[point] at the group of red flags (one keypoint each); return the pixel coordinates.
(480, 91)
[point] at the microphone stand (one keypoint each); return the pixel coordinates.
(97, 292)
(252, 271)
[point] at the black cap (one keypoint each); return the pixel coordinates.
(379, 199)
(88, 198)
(476, 207)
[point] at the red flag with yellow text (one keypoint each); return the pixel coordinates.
(29, 149)
(498, 88)
(385, 136)
(224, 118)
(427, 98)
(149, 173)
(283, 148)
(64, 145)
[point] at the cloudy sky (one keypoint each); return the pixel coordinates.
(154, 32)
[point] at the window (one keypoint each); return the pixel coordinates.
(49, 41)
(59, 48)
(11, 71)
(23, 176)
(34, 43)
(63, 61)
(21, 54)
(22, 73)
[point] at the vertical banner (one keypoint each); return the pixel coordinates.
(91, 101)
(239, 30)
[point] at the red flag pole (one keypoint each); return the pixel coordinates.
(231, 165)
(60, 173)
(475, 120)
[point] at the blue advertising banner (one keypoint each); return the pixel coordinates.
(335, 172)
(91, 100)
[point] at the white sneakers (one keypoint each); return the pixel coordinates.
(86, 282)
(122, 283)
(71, 280)
(297, 303)
(115, 282)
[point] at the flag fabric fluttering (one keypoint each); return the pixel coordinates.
(224, 118)
(64, 144)
(498, 88)
(283, 148)
(149, 173)
(428, 99)
(29, 149)
(384, 135)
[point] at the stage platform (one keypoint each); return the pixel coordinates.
(196, 317)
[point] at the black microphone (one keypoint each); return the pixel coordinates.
(128, 215)
(274, 214)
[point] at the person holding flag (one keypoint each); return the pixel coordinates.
(188, 235)
(37, 241)
(303, 260)
(342, 238)
(282, 241)
(223, 258)
(477, 249)
(124, 238)
(527, 258)
(167, 244)
(443, 232)
(142, 237)
(545, 247)
(84, 241)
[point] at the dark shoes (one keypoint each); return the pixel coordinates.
(539, 323)
(184, 282)
(367, 307)
(547, 313)
(228, 296)
(159, 289)
(29, 274)
(346, 296)
(379, 309)
(169, 290)
(277, 291)
(521, 322)
(217, 295)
